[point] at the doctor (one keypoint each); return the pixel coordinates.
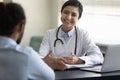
(68, 44)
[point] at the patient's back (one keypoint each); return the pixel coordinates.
(13, 65)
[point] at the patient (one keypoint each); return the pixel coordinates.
(12, 25)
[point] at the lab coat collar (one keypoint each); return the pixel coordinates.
(70, 33)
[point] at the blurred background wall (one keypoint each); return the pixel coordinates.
(100, 18)
(41, 16)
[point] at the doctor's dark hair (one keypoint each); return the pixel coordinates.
(10, 15)
(74, 3)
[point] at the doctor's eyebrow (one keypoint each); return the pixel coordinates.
(68, 12)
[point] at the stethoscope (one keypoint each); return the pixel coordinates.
(58, 39)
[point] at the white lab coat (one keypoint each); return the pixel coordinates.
(86, 48)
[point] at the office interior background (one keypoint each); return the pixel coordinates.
(101, 18)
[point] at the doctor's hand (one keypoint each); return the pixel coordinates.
(73, 59)
(56, 63)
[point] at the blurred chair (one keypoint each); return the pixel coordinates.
(13, 65)
(35, 42)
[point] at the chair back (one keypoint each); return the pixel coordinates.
(35, 42)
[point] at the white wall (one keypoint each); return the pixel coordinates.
(41, 16)
(101, 19)
(101, 2)
(54, 13)
(1, 0)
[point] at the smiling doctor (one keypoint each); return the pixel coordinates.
(68, 44)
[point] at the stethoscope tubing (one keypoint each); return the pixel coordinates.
(58, 39)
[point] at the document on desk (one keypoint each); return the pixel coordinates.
(69, 66)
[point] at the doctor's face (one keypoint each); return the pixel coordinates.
(69, 17)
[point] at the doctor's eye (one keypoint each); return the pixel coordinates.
(66, 12)
(74, 14)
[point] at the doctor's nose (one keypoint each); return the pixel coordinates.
(69, 16)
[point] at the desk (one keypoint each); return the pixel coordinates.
(85, 75)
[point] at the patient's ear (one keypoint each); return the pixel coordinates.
(20, 27)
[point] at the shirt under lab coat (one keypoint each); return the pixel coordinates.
(86, 48)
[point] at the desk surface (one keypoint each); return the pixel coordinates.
(85, 75)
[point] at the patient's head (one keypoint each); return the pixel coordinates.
(12, 20)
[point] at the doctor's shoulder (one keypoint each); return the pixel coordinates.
(85, 34)
(81, 31)
(52, 31)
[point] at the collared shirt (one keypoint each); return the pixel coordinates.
(37, 69)
(70, 33)
(66, 35)
(86, 48)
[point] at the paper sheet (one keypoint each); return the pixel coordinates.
(77, 66)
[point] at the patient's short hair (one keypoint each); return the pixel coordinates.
(10, 15)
